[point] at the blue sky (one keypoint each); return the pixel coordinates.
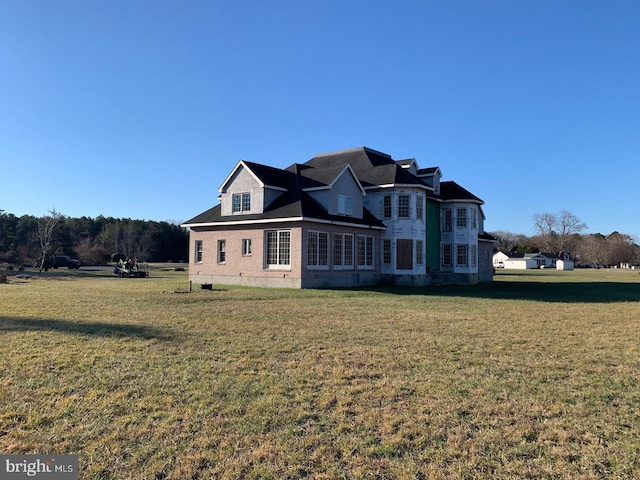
(140, 109)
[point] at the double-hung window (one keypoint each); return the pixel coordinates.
(278, 248)
(446, 220)
(198, 250)
(447, 260)
(241, 202)
(462, 259)
(419, 254)
(345, 205)
(403, 206)
(318, 250)
(419, 207)
(342, 251)
(365, 251)
(222, 251)
(386, 251)
(386, 206)
(246, 247)
(461, 217)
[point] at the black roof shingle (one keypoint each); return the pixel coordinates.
(372, 169)
(452, 191)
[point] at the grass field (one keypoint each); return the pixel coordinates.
(533, 376)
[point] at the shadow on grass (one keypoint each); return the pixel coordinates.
(561, 292)
(99, 329)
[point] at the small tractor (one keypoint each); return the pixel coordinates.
(131, 269)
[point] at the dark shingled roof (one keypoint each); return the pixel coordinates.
(487, 237)
(294, 203)
(427, 171)
(406, 161)
(315, 177)
(272, 176)
(372, 168)
(452, 191)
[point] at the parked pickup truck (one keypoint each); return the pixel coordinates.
(65, 261)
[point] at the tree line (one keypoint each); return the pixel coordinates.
(33, 240)
(560, 233)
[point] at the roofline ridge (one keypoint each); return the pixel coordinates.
(355, 149)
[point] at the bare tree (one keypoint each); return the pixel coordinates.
(621, 249)
(90, 252)
(44, 234)
(557, 230)
(593, 249)
(509, 242)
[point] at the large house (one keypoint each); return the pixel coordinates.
(347, 218)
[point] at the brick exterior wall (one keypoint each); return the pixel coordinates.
(239, 269)
(345, 277)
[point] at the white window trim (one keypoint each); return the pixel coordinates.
(408, 216)
(345, 205)
(198, 247)
(246, 242)
(343, 255)
(420, 208)
(445, 227)
(366, 255)
(451, 253)
(241, 198)
(222, 242)
(385, 207)
(278, 266)
(419, 250)
(387, 241)
(466, 247)
(461, 220)
(318, 256)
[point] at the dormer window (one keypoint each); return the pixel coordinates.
(345, 205)
(241, 202)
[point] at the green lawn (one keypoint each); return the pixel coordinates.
(533, 376)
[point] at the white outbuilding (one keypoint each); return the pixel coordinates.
(562, 264)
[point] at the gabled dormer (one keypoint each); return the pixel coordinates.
(250, 188)
(409, 164)
(336, 188)
(431, 176)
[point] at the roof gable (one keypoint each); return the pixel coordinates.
(295, 203)
(372, 168)
(266, 176)
(326, 177)
(429, 171)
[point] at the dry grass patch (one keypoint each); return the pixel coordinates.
(534, 376)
